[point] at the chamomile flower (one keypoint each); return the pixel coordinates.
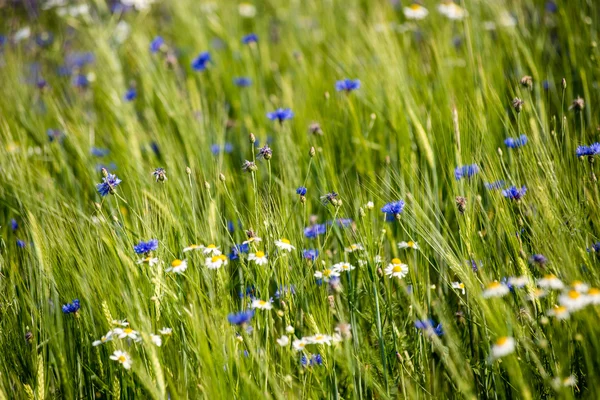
(299, 344)
(580, 286)
(504, 346)
(261, 304)
(518, 281)
(259, 258)
(211, 250)
(290, 329)
(415, 11)
(122, 358)
(550, 281)
(354, 247)
(452, 11)
(319, 338)
(283, 341)
(193, 247)
(166, 331)
(594, 295)
(152, 261)
(177, 266)
(253, 239)
(156, 339)
(559, 312)
(573, 300)
(408, 245)
(495, 289)
(326, 274)
(537, 294)
(106, 338)
(284, 244)
(459, 286)
(396, 269)
(343, 266)
(216, 262)
(127, 333)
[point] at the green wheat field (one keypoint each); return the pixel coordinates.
(299, 199)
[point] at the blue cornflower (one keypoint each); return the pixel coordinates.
(514, 193)
(241, 318)
(110, 182)
(591, 150)
(130, 94)
(315, 359)
(551, 7)
(301, 191)
(313, 231)
(80, 81)
(41, 83)
(238, 249)
(156, 44)
(281, 114)
(242, 81)
(310, 254)
(14, 225)
(230, 226)
(539, 259)
(215, 149)
(21, 243)
(495, 185)
(595, 247)
(99, 152)
(228, 148)
(146, 247)
(199, 63)
(250, 38)
(393, 209)
(465, 171)
(515, 143)
(71, 308)
(347, 85)
(265, 152)
(428, 326)
(55, 134)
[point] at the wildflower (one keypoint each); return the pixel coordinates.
(200, 63)
(573, 300)
(106, 338)
(354, 247)
(504, 346)
(216, 262)
(343, 266)
(261, 304)
(156, 339)
(415, 11)
(347, 85)
(284, 244)
(281, 114)
(241, 318)
(252, 238)
(495, 185)
(326, 274)
(250, 38)
(452, 10)
(259, 258)
(160, 174)
(370, 205)
(559, 312)
(80, 81)
(514, 193)
(156, 44)
(146, 247)
(517, 104)
(526, 81)
(396, 269)
(319, 339)
(283, 341)
(247, 10)
(249, 166)
(290, 329)
(459, 286)
(495, 289)
(514, 143)
(166, 331)
(177, 266)
(537, 294)
(594, 295)
(408, 245)
(313, 231)
(21, 243)
(539, 259)
(237, 249)
(265, 152)
(211, 249)
(152, 261)
(109, 184)
(299, 344)
(589, 151)
(315, 128)
(394, 208)
(301, 191)
(580, 286)
(71, 308)
(550, 281)
(466, 171)
(193, 247)
(242, 82)
(130, 94)
(310, 254)
(578, 104)
(127, 333)
(518, 282)
(429, 327)
(14, 225)
(122, 358)
(569, 381)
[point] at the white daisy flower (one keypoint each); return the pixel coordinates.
(580, 286)
(560, 312)
(326, 274)
(299, 344)
(550, 282)
(343, 266)
(370, 205)
(319, 338)
(290, 329)
(106, 338)
(152, 261)
(573, 300)
(283, 341)
(253, 239)
(166, 331)
(284, 244)
(211, 249)
(156, 339)
(504, 346)
(396, 269)
(261, 304)
(452, 10)
(408, 245)
(216, 262)
(459, 286)
(495, 289)
(127, 333)
(122, 357)
(594, 295)
(177, 266)
(354, 247)
(247, 10)
(259, 258)
(537, 294)
(415, 11)
(518, 281)
(193, 247)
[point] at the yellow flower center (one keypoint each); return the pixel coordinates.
(284, 240)
(211, 246)
(176, 263)
(410, 244)
(502, 341)
(397, 268)
(128, 330)
(574, 294)
(259, 254)
(327, 272)
(550, 276)
(147, 259)
(594, 292)
(193, 246)
(396, 261)
(494, 285)
(560, 309)
(122, 359)
(415, 7)
(262, 302)
(319, 337)
(217, 258)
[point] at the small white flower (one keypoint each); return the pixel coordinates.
(495, 289)
(459, 286)
(247, 10)
(284, 244)
(299, 344)
(259, 258)
(503, 347)
(452, 10)
(396, 269)
(156, 339)
(122, 358)
(319, 338)
(354, 247)
(343, 266)
(594, 295)
(408, 245)
(518, 281)
(550, 282)
(261, 304)
(22, 34)
(122, 31)
(560, 312)
(211, 249)
(580, 286)
(216, 262)
(193, 247)
(127, 333)
(106, 338)
(573, 300)
(507, 20)
(415, 11)
(152, 261)
(283, 341)
(166, 331)
(290, 329)
(326, 274)
(253, 239)
(370, 205)
(177, 266)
